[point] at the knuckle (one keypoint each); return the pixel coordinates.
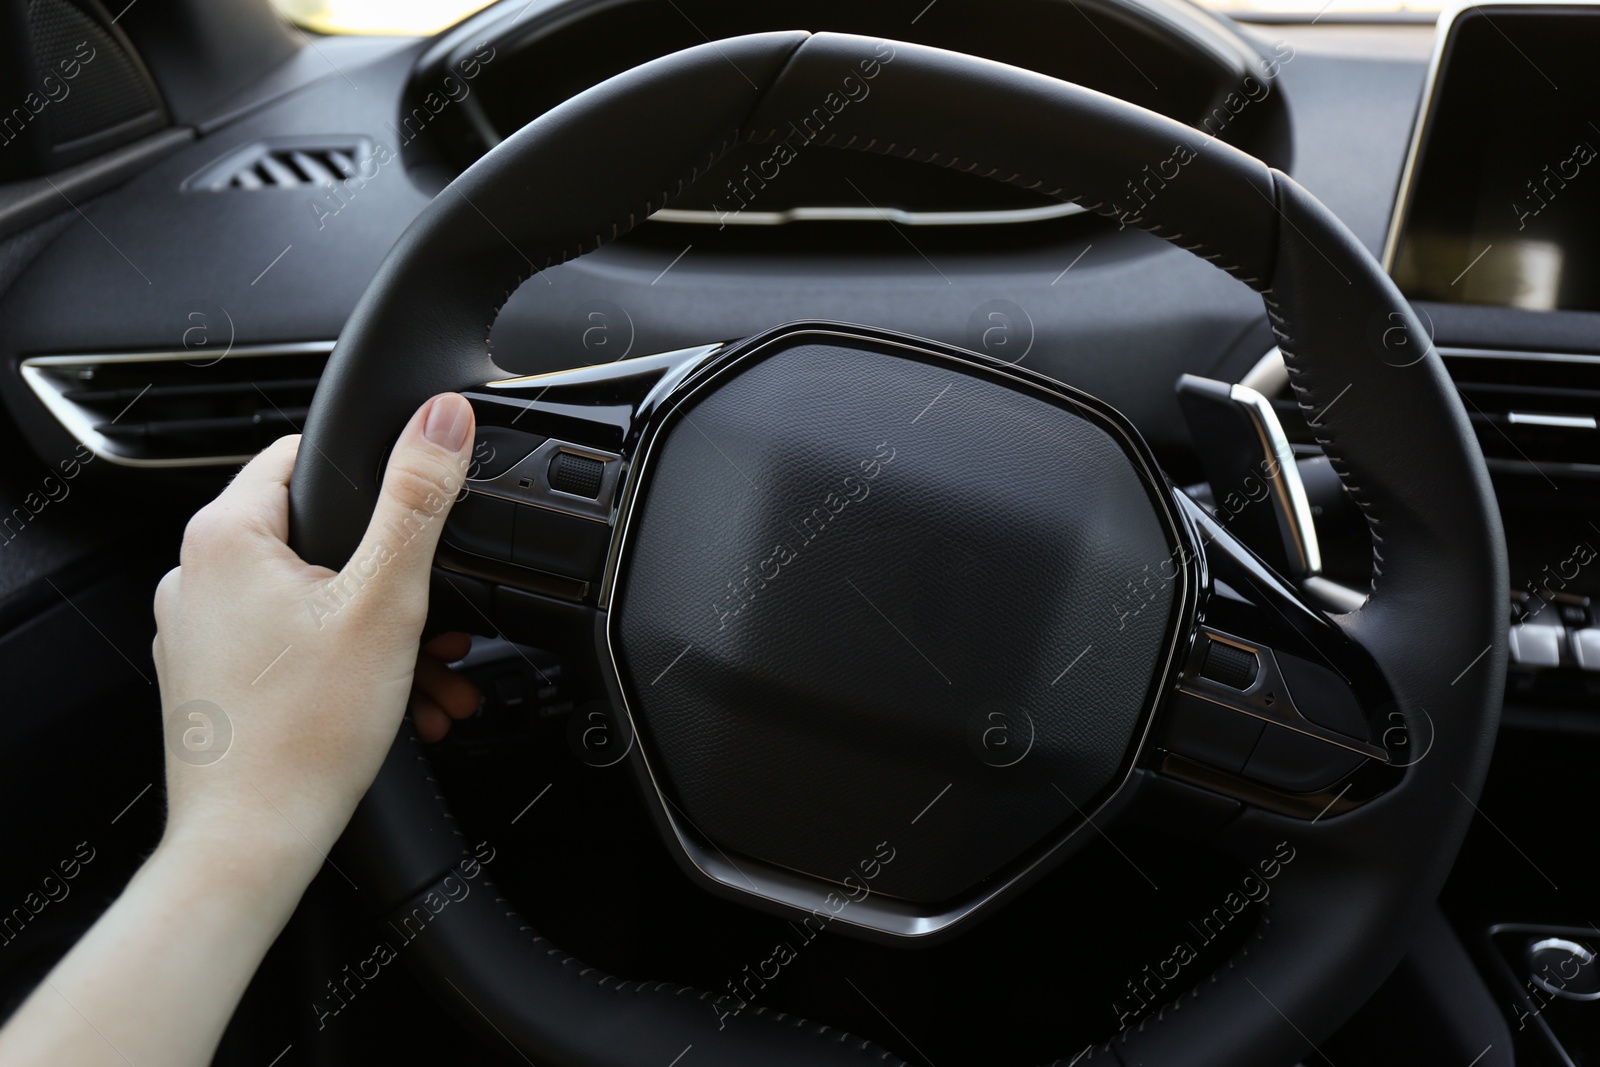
(205, 532)
(166, 589)
(419, 487)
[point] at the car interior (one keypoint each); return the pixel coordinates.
(1043, 531)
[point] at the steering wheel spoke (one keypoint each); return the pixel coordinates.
(538, 511)
(1275, 704)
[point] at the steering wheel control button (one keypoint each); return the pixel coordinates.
(575, 474)
(557, 476)
(1296, 763)
(1230, 665)
(496, 449)
(557, 543)
(481, 525)
(1211, 733)
(1322, 696)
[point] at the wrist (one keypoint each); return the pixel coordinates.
(262, 870)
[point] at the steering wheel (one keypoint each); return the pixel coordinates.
(814, 572)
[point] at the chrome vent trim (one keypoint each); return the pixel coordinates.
(1012, 216)
(54, 379)
(1528, 412)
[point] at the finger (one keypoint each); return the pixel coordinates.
(429, 718)
(453, 693)
(449, 646)
(425, 472)
(259, 493)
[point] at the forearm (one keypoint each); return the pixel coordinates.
(311, 701)
(159, 975)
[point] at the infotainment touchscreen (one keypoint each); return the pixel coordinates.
(1501, 203)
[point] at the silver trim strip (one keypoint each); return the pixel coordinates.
(1531, 357)
(1270, 375)
(1290, 500)
(36, 372)
(1566, 422)
(1008, 216)
(874, 912)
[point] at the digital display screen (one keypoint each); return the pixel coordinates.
(1505, 197)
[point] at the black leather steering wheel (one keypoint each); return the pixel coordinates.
(818, 425)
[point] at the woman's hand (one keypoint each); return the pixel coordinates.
(282, 683)
(438, 693)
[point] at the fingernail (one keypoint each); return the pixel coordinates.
(448, 422)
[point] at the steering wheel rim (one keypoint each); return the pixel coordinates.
(1399, 440)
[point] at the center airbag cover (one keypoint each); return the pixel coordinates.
(871, 592)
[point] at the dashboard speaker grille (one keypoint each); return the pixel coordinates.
(109, 90)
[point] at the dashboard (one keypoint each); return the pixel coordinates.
(219, 256)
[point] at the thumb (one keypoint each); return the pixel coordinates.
(425, 473)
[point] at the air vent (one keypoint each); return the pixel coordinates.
(180, 409)
(285, 165)
(1533, 411)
